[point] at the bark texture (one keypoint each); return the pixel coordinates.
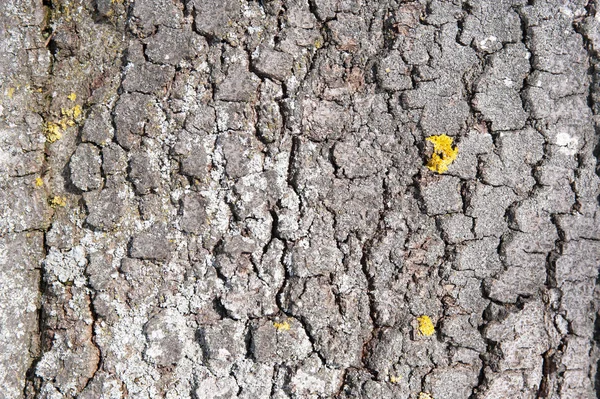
(229, 199)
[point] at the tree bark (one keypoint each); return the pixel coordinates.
(299, 199)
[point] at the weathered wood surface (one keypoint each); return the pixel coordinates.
(230, 198)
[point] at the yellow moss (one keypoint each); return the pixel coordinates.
(72, 96)
(426, 327)
(10, 92)
(425, 395)
(39, 182)
(318, 44)
(52, 131)
(283, 326)
(444, 153)
(394, 379)
(58, 201)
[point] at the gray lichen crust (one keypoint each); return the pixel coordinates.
(230, 199)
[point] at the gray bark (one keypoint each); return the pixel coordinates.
(230, 198)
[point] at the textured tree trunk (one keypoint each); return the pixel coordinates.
(249, 199)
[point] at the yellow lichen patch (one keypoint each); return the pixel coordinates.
(444, 153)
(39, 182)
(282, 326)
(394, 379)
(10, 92)
(426, 327)
(72, 96)
(71, 114)
(52, 131)
(58, 201)
(425, 395)
(76, 112)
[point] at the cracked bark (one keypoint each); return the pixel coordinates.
(242, 207)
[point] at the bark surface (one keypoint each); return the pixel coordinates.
(230, 199)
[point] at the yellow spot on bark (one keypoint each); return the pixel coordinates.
(426, 327)
(10, 92)
(58, 201)
(283, 326)
(425, 395)
(52, 131)
(394, 379)
(76, 112)
(444, 153)
(39, 182)
(72, 96)
(70, 114)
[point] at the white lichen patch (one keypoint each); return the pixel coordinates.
(568, 143)
(67, 266)
(314, 379)
(508, 82)
(485, 43)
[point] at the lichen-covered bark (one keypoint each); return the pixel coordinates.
(231, 198)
